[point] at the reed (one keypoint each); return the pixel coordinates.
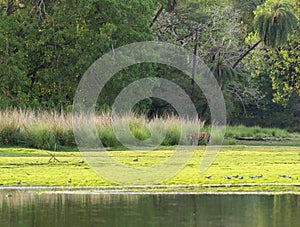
(50, 129)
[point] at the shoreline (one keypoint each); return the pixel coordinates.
(230, 189)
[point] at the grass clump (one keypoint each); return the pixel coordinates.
(108, 137)
(10, 134)
(257, 132)
(50, 129)
(41, 137)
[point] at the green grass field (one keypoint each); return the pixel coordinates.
(279, 167)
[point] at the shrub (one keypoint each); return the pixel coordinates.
(108, 137)
(10, 134)
(42, 137)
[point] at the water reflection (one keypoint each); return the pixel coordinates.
(27, 209)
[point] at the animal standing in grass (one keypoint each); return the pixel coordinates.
(195, 138)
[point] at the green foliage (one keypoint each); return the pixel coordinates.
(246, 9)
(42, 137)
(283, 77)
(140, 131)
(64, 137)
(224, 73)
(257, 132)
(274, 22)
(108, 138)
(10, 134)
(46, 46)
(275, 71)
(172, 136)
(285, 73)
(50, 130)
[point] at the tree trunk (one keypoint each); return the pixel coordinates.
(195, 58)
(246, 53)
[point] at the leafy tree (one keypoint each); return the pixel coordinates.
(274, 22)
(275, 72)
(213, 32)
(246, 10)
(281, 65)
(46, 46)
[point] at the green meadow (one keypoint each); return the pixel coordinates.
(250, 168)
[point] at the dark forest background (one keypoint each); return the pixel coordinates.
(251, 46)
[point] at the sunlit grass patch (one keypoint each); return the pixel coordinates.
(244, 165)
(257, 168)
(141, 158)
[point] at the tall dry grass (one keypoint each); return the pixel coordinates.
(50, 129)
(40, 129)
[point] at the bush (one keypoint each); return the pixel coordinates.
(256, 132)
(10, 134)
(108, 137)
(172, 136)
(42, 137)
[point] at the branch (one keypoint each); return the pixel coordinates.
(246, 53)
(34, 71)
(156, 16)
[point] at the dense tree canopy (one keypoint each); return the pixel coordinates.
(251, 47)
(47, 46)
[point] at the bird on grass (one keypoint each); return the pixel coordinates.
(241, 177)
(19, 182)
(252, 177)
(260, 176)
(236, 176)
(208, 177)
(286, 176)
(228, 177)
(9, 195)
(136, 160)
(70, 180)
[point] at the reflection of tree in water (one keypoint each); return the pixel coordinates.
(74, 209)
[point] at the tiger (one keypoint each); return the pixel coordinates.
(197, 137)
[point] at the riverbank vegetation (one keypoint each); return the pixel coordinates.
(251, 47)
(53, 130)
(46, 46)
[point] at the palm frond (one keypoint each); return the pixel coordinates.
(275, 22)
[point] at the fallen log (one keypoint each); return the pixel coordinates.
(259, 139)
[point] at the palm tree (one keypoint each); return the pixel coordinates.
(273, 22)
(220, 66)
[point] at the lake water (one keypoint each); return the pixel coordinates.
(31, 209)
